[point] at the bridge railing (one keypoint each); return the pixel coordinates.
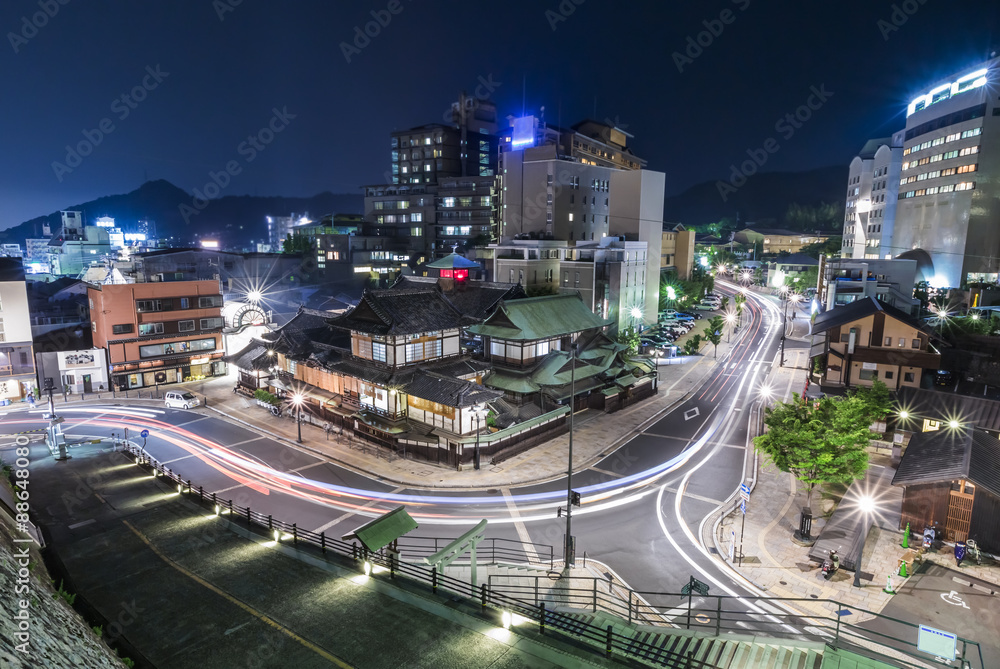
(535, 597)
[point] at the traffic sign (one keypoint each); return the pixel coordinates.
(144, 434)
(744, 489)
(743, 506)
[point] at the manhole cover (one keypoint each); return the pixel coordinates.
(702, 618)
(782, 582)
(814, 596)
(554, 575)
(492, 491)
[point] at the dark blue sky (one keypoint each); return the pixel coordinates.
(226, 76)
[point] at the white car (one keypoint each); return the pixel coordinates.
(178, 399)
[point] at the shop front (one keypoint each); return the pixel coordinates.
(146, 375)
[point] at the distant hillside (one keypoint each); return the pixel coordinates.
(764, 199)
(234, 219)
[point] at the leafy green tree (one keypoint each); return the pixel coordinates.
(713, 333)
(831, 247)
(629, 337)
(296, 243)
(692, 345)
(819, 441)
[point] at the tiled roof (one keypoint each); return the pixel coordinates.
(252, 356)
(448, 391)
(401, 312)
(849, 313)
(539, 318)
(936, 405)
(947, 454)
(475, 299)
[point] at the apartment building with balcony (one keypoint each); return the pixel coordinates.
(159, 333)
(17, 360)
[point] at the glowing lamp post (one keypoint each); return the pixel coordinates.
(297, 400)
(636, 314)
(730, 319)
(866, 505)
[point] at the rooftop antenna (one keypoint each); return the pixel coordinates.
(524, 92)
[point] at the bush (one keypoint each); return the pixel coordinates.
(692, 345)
(266, 397)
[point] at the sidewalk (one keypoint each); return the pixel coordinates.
(542, 463)
(781, 568)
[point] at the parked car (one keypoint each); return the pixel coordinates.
(181, 399)
(943, 377)
(702, 306)
(695, 315)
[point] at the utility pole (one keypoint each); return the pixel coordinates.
(569, 550)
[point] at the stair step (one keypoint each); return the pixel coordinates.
(728, 654)
(814, 660)
(715, 652)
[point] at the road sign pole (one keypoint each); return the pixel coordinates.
(743, 525)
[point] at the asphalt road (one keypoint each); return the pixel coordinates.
(642, 504)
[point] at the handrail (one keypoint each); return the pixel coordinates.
(528, 600)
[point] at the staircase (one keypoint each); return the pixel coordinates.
(665, 647)
(656, 646)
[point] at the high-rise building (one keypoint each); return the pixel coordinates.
(546, 194)
(948, 202)
(588, 142)
(872, 188)
(465, 147)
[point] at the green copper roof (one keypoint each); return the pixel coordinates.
(543, 317)
(382, 531)
(510, 382)
(453, 261)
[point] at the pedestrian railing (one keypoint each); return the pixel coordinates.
(535, 598)
(490, 550)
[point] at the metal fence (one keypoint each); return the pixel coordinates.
(535, 600)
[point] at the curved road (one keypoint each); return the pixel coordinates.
(642, 504)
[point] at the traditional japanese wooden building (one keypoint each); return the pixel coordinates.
(951, 479)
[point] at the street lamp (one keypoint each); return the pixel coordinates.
(297, 401)
(788, 297)
(636, 314)
(866, 505)
(730, 319)
(478, 410)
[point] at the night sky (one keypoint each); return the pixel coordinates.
(225, 66)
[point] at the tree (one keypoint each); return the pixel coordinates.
(692, 345)
(296, 243)
(713, 333)
(629, 337)
(831, 247)
(819, 441)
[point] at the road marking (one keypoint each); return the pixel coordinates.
(81, 524)
(522, 531)
(315, 464)
(195, 420)
(183, 457)
(694, 496)
(953, 599)
(605, 472)
(246, 607)
(691, 413)
(323, 528)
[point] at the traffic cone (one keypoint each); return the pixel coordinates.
(902, 568)
(906, 537)
(888, 586)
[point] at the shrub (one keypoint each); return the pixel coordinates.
(266, 397)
